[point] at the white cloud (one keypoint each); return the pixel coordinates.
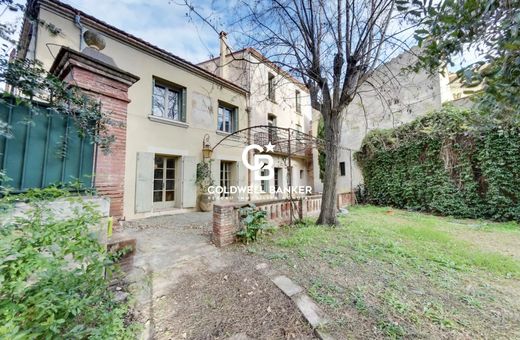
(160, 22)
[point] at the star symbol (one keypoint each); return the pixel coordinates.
(269, 147)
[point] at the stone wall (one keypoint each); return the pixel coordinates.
(65, 208)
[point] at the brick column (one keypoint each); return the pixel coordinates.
(97, 75)
(225, 223)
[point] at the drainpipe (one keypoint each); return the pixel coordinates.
(249, 121)
(77, 23)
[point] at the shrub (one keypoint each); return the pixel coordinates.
(452, 162)
(52, 281)
(253, 222)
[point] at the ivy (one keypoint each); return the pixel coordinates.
(451, 162)
(32, 84)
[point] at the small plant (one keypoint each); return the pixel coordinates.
(253, 223)
(203, 178)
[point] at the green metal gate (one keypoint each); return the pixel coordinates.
(43, 148)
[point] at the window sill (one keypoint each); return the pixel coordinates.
(168, 121)
(223, 133)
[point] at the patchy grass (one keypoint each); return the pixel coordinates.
(391, 273)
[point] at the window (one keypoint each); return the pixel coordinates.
(169, 102)
(277, 177)
(271, 122)
(225, 177)
(164, 179)
(270, 87)
(301, 174)
(227, 119)
(264, 183)
(342, 168)
(298, 102)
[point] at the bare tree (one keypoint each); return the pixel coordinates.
(333, 47)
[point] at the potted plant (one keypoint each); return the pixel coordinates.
(204, 181)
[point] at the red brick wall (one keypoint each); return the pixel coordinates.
(345, 199)
(110, 168)
(226, 219)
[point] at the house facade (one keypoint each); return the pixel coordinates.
(173, 107)
(279, 105)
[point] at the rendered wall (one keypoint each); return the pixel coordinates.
(143, 134)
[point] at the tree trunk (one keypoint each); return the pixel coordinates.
(332, 125)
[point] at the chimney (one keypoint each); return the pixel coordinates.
(222, 65)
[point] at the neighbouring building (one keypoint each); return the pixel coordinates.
(390, 97)
(170, 107)
(276, 100)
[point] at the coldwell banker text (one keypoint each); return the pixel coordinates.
(296, 190)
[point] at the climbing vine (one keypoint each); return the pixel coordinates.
(30, 84)
(452, 162)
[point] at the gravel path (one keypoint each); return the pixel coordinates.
(186, 288)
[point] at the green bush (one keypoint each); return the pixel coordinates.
(254, 221)
(52, 281)
(451, 162)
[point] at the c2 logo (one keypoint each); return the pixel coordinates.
(258, 164)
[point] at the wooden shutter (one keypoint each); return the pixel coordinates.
(144, 182)
(215, 171)
(189, 190)
(183, 104)
(235, 121)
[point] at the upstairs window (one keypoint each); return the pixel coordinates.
(342, 171)
(169, 102)
(270, 87)
(271, 122)
(227, 120)
(298, 102)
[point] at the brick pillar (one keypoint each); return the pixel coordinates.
(225, 223)
(97, 75)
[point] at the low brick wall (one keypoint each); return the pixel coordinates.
(226, 219)
(345, 199)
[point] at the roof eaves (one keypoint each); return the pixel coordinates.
(128, 38)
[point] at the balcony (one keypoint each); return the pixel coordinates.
(300, 145)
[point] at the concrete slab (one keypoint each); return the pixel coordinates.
(312, 313)
(287, 285)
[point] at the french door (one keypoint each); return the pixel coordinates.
(164, 182)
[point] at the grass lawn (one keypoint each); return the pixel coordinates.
(392, 273)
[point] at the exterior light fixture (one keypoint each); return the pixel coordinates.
(206, 148)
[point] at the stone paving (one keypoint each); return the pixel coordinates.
(168, 247)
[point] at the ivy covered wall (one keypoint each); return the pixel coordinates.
(451, 162)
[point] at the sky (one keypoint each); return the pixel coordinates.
(161, 22)
(164, 23)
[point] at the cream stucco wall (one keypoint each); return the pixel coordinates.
(252, 73)
(143, 134)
